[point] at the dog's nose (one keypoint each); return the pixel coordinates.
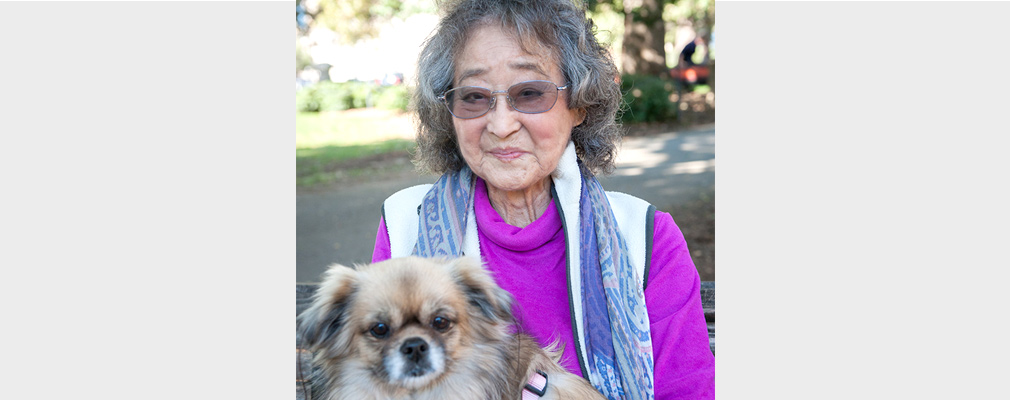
(414, 348)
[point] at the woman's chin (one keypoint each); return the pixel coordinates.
(510, 182)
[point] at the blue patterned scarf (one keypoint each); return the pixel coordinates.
(442, 218)
(618, 344)
(617, 341)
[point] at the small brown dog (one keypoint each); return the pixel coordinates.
(423, 328)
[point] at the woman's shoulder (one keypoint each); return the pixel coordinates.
(669, 255)
(399, 215)
(404, 202)
(665, 226)
(666, 232)
(412, 194)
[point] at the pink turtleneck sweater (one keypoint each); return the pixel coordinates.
(530, 263)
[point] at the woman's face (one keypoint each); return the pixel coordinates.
(510, 150)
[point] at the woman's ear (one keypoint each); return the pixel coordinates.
(580, 116)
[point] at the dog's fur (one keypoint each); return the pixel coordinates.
(445, 335)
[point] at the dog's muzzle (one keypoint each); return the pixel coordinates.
(414, 362)
(415, 353)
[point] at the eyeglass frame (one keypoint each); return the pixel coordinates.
(494, 99)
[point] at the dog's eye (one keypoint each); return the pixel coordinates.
(379, 330)
(441, 324)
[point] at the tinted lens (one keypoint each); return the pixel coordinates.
(533, 96)
(529, 97)
(468, 101)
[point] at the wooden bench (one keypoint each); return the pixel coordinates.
(303, 298)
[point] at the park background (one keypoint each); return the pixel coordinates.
(354, 70)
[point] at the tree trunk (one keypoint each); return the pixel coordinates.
(643, 51)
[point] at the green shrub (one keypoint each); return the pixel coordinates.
(361, 93)
(334, 96)
(306, 99)
(393, 97)
(647, 99)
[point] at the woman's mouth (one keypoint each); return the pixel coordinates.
(507, 155)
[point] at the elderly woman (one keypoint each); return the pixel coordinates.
(516, 102)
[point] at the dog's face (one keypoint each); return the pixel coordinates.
(404, 322)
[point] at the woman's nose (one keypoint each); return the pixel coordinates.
(501, 118)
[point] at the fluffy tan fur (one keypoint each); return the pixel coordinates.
(366, 327)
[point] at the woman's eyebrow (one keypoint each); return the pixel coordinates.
(520, 65)
(471, 72)
(529, 66)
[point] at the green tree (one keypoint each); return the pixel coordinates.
(644, 33)
(355, 20)
(643, 49)
(645, 28)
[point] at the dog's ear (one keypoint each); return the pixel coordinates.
(480, 289)
(320, 325)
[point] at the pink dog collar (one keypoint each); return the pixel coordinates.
(536, 386)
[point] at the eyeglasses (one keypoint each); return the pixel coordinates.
(530, 97)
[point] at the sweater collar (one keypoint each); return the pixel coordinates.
(494, 228)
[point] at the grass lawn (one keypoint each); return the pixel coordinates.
(328, 143)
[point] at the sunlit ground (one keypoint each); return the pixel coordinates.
(636, 156)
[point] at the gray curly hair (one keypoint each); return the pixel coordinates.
(558, 25)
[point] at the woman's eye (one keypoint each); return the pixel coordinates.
(379, 330)
(473, 97)
(441, 324)
(530, 93)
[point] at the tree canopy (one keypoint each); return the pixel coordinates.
(646, 31)
(355, 20)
